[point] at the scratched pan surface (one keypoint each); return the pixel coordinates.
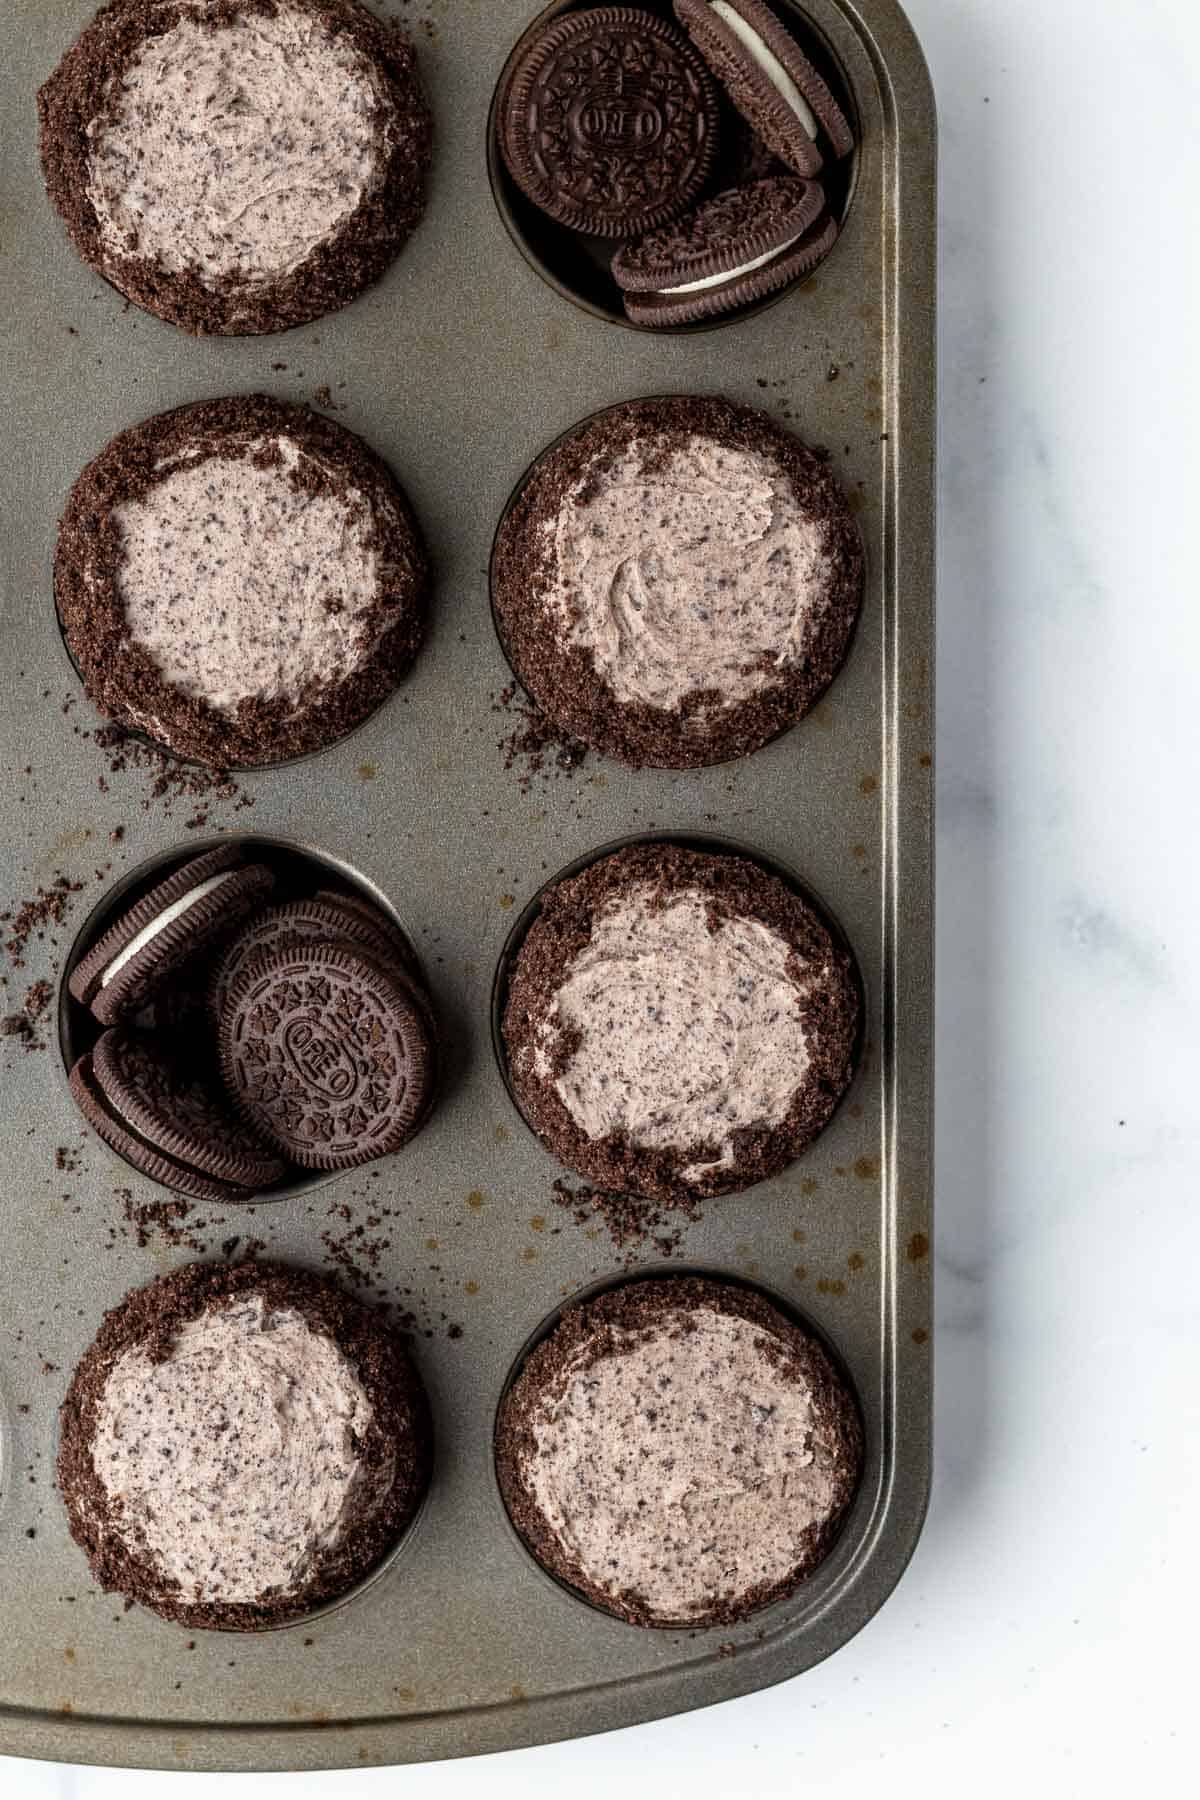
(459, 367)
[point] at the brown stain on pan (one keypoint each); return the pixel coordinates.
(72, 840)
(918, 1247)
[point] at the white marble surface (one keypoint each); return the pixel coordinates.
(1044, 1634)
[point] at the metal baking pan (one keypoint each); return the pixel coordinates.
(458, 368)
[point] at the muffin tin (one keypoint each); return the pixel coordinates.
(459, 368)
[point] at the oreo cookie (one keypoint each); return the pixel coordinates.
(328, 918)
(734, 249)
(397, 944)
(187, 913)
(326, 1051)
(769, 79)
(155, 1110)
(609, 122)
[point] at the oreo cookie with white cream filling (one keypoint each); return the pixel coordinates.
(736, 248)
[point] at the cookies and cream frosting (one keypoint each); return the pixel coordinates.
(686, 571)
(674, 1032)
(241, 584)
(681, 1463)
(236, 1460)
(235, 146)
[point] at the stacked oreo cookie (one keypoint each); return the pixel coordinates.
(686, 151)
(252, 1029)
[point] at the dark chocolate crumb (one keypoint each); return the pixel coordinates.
(631, 1223)
(536, 742)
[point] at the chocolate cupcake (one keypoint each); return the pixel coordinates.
(678, 1023)
(241, 580)
(678, 1452)
(237, 167)
(240, 1445)
(677, 581)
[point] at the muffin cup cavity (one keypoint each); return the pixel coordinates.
(705, 845)
(639, 736)
(577, 266)
(300, 871)
(399, 1429)
(825, 1572)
